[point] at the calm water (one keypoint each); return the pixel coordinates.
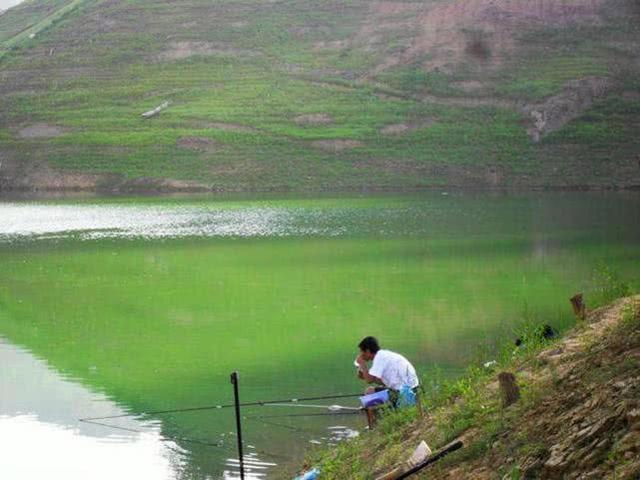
(112, 307)
(5, 4)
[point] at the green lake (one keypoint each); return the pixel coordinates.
(144, 304)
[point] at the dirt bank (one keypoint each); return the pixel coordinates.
(578, 416)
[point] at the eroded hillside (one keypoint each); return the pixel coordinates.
(333, 95)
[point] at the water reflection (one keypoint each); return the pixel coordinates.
(254, 468)
(88, 222)
(40, 433)
(425, 215)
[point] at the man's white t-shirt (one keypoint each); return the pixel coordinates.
(394, 370)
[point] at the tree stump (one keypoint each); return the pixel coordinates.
(579, 308)
(508, 388)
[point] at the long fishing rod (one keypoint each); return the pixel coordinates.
(331, 408)
(258, 403)
(323, 414)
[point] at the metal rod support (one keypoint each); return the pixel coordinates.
(236, 398)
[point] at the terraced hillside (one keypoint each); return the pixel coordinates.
(331, 95)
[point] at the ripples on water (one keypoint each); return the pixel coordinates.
(87, 222)
(254, 468)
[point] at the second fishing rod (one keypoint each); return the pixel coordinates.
(257, 403)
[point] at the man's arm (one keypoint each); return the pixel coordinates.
(363, 372)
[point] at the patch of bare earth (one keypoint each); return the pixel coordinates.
(18, 175)
(449, 33)
(396, 129)
(330, 45)
(39, 175)
(179, 50)
(197, 144)
(313, 119)
(558, 110)
(336, 146)
(40, 130)
(147, 184)
(239, 168)
(454, 176)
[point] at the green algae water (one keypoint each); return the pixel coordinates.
(149, 304)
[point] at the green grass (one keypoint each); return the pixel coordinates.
(99, 69)
(23, 37)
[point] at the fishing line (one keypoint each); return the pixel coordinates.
(167, 437)
(307, 431)
(282, 425)
(332, 408)
(220, 445)
(258, 403)
(324, 414)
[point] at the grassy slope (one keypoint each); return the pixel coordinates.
(95, 65)
(550, 433)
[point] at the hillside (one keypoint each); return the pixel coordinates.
(331, 95)
(578, 416)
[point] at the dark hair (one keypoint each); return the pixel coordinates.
(369, 343)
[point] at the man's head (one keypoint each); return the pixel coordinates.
(369, 347)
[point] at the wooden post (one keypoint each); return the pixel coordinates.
(579, 308)
(508, 388)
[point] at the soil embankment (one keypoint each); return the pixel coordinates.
(578, 416)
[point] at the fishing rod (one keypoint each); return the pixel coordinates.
(324, 414)
(259, 403)
(331, 408)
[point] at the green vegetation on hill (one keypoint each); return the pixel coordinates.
(304, 95)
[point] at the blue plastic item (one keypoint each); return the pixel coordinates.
(310, 475)
(374, 399)
(406, 397)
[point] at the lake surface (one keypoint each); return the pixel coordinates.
(5, 4)
(115, 307)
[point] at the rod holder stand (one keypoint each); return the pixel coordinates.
(236, 400)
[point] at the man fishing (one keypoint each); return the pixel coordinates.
(388, 369)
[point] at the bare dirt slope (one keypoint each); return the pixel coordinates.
(584, 422)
